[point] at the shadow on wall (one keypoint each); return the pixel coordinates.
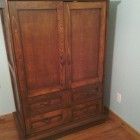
(110, 49)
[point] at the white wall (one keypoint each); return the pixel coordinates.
(6, 95)
(123, 72)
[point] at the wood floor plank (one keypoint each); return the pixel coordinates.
(110, 130)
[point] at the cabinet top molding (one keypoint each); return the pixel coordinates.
(2, 2)
(59, 0)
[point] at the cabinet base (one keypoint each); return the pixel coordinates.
(62, 130)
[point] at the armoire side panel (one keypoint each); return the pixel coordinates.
(11, 63)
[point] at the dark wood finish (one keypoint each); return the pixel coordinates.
(35, 51)
(12, 64)
(56, 55)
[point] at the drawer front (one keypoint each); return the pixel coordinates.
(50, 120)
(92, 108)
(86, 93)
(49, 102)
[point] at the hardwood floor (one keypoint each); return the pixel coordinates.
(110, 130)
(8, 129)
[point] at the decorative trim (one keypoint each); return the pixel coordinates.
(123, 123)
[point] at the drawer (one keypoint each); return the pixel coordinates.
(86, 93)
(81, 111)
(49, 102)
(50, 120)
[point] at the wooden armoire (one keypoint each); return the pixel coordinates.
(56, 61)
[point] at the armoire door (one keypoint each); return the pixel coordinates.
(38, 34)
(85, 42)
(38, 40)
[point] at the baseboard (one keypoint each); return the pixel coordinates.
(6, 117)
(123, 123)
